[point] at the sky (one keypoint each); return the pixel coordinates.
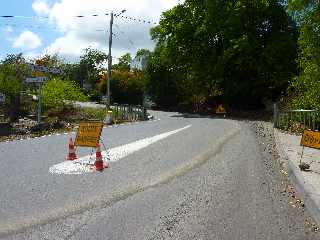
(52, 26)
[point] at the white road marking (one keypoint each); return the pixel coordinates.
(84, 164)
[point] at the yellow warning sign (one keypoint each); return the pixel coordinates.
(88, 134)
(220, 109)
(38, 74)
(310, 139)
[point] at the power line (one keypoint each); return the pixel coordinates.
(46, 17)
(129, 40)
(138, 20)
(46, 28)
(134, 19)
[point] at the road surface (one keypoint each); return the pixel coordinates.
(177, 177)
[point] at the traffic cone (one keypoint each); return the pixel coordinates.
(99, 164)
(72, 152)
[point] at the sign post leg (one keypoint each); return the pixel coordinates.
(39, 106)
(301, 155)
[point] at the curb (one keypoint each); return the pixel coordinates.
(73, 131)
(304, 189)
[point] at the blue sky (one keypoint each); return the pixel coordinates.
(50, 26)
(11, 28)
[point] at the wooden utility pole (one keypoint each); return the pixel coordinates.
(109, 63)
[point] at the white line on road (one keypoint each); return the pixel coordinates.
(84, 164)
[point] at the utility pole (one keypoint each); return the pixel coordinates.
(109, 63)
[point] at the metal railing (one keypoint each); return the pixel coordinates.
(127, 112)
(304, 119)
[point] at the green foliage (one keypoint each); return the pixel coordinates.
(93, 114)
(124, 62)
(143, 53)
(56, 91)
(13, 70)
(242, 50)
(126, 86)
(73, 72)
(91, 65)
(306, 86)
(10, 85)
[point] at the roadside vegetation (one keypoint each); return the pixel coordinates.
(82, 81)
(242, 54)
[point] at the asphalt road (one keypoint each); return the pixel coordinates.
(212, 180)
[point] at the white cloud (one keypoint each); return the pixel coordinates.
(80, 33)
(7, 33)
(70, 45)
(41, 7)
(8, 29)
(30, 55)
(27, 40)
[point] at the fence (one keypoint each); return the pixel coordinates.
(127, 112)
(303, 119)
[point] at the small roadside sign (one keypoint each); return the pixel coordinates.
(52, 70)
(310, 139)
(2, 97)
(104, 99)
(88, 134)
(39, 74)
(36, 80)
(220, 109)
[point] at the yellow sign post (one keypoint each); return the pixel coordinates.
(220, 110)
(310, 139)
(88, 134)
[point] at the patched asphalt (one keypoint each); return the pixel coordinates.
(216, 180)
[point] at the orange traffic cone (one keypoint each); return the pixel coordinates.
(72, 152)
(99, 164)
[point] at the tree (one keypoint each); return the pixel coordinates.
(242, 50)
(126, 86)
(13, 71)
(91, 64)
(10, 84)
(144, 53)
(124, 62)
(306, 86)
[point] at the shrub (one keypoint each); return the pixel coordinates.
(93, 114)
(56, 91)
(126, 86)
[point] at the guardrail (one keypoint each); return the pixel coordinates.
(126, 112)
(304, 119)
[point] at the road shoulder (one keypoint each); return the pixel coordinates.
(307, 184)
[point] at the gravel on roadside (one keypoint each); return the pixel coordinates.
(265, 136)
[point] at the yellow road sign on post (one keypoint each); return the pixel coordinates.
(310, 139)
(38, 74)
(220, 109)
(88, 134)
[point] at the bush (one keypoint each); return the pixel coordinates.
(10, 85)
(56, 91)
(93, 114)
(306, 88)
(126, 86)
